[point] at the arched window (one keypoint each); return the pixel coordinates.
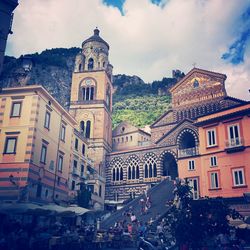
(146, 171)
(88, 129)
(103, 64)
(82, 128)
(133, 167)
(137, 176)
(154, 170)
(117, 174)
(121, 174)
(117, 170)
(113, 174)
(90, 64)
(129, 173)
(133, 172)
(150, 170)
(150, 166)
(80, 67)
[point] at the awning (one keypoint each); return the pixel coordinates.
(31, 208)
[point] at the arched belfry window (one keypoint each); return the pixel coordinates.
(88, 129)
(88, 93)
(80, 67)
(90, 64)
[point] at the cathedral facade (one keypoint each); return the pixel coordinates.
(130, 159)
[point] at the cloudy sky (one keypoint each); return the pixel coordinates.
(147, 38)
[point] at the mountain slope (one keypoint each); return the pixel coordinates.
(134, 100)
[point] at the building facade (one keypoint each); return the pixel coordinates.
(222, 167)
(174, 136)
(36, 135)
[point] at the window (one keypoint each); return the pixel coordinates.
(76, 144)
(75, 163)
(88, 129)
(90, 63)
(62, 135)
(234, 135)
(191, 165)
(131, 138)
(83, 149)
(47, 120)
(213, 161)
(60, 163)
(88, 93)
(43, 154)
(238, 177)
(82, 170)
(100, 191)
(39, 190)
(16, 109)
(46, 193)
(82, 127)
(211, 138)
(10, 145)
(214, 180)
(58, 181)
(73, 185)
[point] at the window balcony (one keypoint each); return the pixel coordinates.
(75, 172)
(234, 145)
(187, 152)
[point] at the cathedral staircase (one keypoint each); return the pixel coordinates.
(159, 194)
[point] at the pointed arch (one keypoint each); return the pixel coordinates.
(150, 165)
(133, 163)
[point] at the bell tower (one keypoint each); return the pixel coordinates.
(91, 97)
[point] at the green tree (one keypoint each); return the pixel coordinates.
(196, 222)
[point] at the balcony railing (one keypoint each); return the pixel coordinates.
(235, 142)
(187, 152)
(234, 145)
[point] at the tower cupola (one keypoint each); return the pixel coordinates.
(94, 55)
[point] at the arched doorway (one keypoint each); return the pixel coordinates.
(170, 166)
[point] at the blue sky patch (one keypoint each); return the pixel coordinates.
(236, 51)
(115, 3)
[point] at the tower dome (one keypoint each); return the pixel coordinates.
(95, 38)
(94, 55)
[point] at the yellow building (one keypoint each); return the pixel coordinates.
(35, 144)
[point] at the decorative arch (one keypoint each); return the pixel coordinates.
(133, 167)
(117, 169)
(187, 130)
(150, 165)
(168, 163)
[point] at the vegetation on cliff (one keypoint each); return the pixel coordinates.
(134, 100)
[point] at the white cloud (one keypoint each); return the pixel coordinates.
(148, 41)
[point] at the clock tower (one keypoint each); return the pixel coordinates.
(91, 98)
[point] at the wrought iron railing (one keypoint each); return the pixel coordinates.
(234, 142)
(188, 152)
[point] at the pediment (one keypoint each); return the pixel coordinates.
(124, 127)
(198, 79)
